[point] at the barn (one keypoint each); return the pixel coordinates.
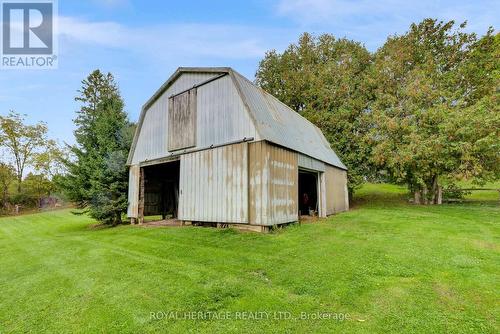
(211, 147)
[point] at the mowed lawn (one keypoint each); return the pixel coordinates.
(391, 267)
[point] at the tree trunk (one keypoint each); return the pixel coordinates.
(434, 190)
(416, 197)
(4, 196)
(439, 199)
(424, 196)
(118, 219)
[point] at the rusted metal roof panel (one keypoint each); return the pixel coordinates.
(278, 123)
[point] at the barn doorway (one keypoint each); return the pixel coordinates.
(161, 190)
(308, 193)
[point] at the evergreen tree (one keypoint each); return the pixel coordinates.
(97, 175)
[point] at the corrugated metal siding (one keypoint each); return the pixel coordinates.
(221, 116)
(152, 140)
(311, 163)
(133, 191)
(337, 198)
(273, 178)
(214, 185)
(279, 124)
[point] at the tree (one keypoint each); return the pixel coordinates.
(110, 180)
(435, 107)
(50, 161)
(23, 142)
(325, 80)
(97, 177)
(7, 176)
(36, 187)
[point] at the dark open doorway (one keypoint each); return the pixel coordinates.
(161, 189)
(308, 193)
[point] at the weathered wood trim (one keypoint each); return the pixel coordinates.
(133, 191)
(141, 196)
(193, 105)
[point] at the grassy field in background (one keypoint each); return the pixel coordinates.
(482, 195)
(390, 266)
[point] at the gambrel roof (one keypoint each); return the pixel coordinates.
(274, 121)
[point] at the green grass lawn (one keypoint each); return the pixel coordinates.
(389, 266)
(482, 195)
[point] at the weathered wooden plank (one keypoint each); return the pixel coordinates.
(133, 191)
(182, 121)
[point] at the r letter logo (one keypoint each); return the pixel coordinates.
(28, 34)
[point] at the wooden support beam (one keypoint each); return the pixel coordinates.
(141, 196)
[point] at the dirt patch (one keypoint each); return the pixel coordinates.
(485, 245)
(161, 223)
(310, 219)
(99, 226)
(445, 293)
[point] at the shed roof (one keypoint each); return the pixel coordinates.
(274, 121)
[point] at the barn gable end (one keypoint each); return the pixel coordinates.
(220, 117)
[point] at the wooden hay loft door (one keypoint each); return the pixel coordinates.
(182, 120)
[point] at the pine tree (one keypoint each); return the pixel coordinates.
(97, 174)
